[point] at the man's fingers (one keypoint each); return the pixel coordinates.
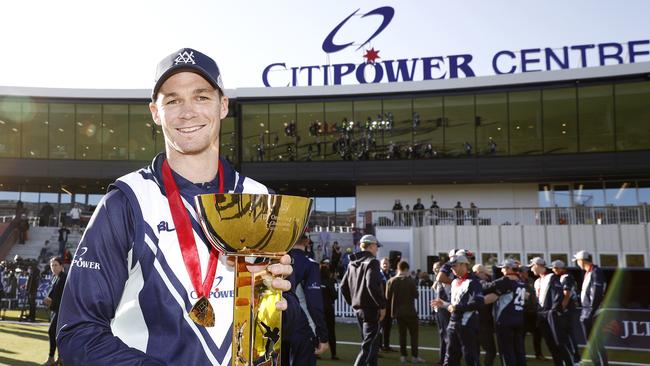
(280, 284)
(285, 259)
(281, 305)
(279, 269)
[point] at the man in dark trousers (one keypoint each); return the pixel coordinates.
(362, 288)
(418, 208)
(386, 273)
(591, 296)
(549, 297)
(570, 312)
(32, 288)
(466, 300)
(531, 321)
(401, 293)
(63, 239)
(330, 294)
(442, 291)
(508, 294)
(309, 337)
(486, 320)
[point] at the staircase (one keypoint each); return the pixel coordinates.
(36, 238)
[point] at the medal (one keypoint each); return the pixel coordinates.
(202, 312)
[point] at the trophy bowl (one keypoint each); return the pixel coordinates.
(255, 229)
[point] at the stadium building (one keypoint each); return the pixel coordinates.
(551, 144)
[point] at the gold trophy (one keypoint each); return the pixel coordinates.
(255, 229)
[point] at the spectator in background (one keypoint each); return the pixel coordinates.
(362, 289)
(401, 293)
(473, 213)
(531, 323)
(63, 239)
(386, 324)
(53, 300)
(32, 288)
(23, 227)
(327, 281)
(408, 216)
(460, 214)
(345, 261)
(397, 213)
(336, 258)
(424, 280)
(441, 291)
(75, 217)
(44, 215)
(418, 207)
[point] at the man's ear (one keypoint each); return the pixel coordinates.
(224, 107)
(153, 108)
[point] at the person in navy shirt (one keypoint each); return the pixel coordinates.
(508, 294)
(309, 337)
(591, 296)
(569, 306)
(466, 300)
(549, 297)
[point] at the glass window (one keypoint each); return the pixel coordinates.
(9, 129)
(282, 136)
(66, 201)
(62, 127)
(325, 205)
(311, 130)
(35, 128)
(596, 118)
(544, 194)
(115, 131)
(93, 199)
(530, 256)
(255, 130)
(515, 256)
(489, 259)
(560, 257)
(228, 140)
(525, 123)
(609, 260)
(491, 124)
(398, 115)
(142, 133)
(430, 131)
(589, 194)
(459, 125)
(9, 195)
(337, 116)
(29, 196)
(635, 260)
(159, 136)
(644, 192)
(88, 131)
(620, 193)
(560, 121)
(80, 198)
(632, 116)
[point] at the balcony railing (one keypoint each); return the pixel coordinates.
(580, 215)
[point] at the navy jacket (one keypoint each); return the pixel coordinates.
(593, 292)
(467, 298)
(509, 307)
(362, 285)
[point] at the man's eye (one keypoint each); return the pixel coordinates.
(203, 98)
(172, 101)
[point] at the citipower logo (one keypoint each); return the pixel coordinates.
(386, 12)
(371, 70)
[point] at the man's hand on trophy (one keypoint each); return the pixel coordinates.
(280, 271)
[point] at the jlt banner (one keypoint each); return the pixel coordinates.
(626, 328)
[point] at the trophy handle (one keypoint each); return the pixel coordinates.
(257, 324)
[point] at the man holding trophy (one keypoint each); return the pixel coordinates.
(173, 267)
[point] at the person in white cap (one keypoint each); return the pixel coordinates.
(569, 306)
(549, 297)
(591, 296)
(463, 328)
(362, 288)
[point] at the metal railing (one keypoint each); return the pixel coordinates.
(425, 295)
(579, 215)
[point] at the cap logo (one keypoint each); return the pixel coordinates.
(185, 58)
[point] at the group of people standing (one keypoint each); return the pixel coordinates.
(470, 302)
(415, 216)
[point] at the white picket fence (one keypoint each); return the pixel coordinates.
(425, 313)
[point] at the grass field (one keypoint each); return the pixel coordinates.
(27, 344)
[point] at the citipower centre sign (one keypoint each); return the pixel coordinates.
(373, 68)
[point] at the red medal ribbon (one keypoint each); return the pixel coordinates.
(186, 235)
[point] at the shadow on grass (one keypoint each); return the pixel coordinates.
(2, 350)
(14, 362)
(26, 334)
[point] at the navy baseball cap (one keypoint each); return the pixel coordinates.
(187, 59)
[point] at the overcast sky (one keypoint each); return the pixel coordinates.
(117, 43)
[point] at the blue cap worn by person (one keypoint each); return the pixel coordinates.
(187, 59)
(583, 254)
(537, 260)
(369, 239)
